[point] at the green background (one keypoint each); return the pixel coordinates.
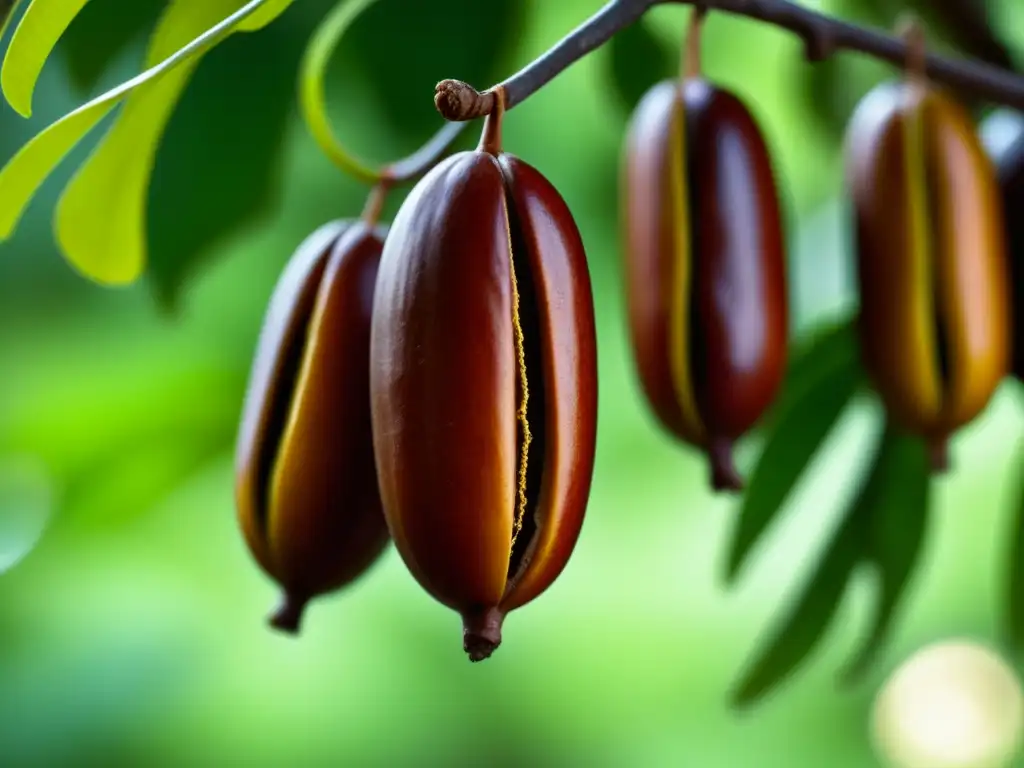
(133, 633)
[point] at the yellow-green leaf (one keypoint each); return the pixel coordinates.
(90, 230)
(269, 11)
(40, 28)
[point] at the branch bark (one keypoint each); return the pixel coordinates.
(822, 36)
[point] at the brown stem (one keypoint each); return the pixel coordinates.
(822, 36)
(375, 203)
(912, 32)
(490, 139)
(691, 44)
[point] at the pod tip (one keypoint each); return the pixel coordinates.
(481, 633)
(287, 617)
(724, 475)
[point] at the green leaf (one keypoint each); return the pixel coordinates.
(101, 33)
(883, 525)
(821, 382)
(896, 502)
(140, 476)
(404, 47)
(41, 26)
(228, 131)
(100, 217)
(1015, 589)
(809, 616)
(637, 60)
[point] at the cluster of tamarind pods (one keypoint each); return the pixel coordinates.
(435, 384)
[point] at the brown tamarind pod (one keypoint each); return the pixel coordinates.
(931, 265)
(306, 487)
(484, 385)
(705, 268)
(1010, 172)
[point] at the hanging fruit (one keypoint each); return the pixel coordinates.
(306, 487)
(934, 324)
(705, 267)
(1010, 171)
(484, 384)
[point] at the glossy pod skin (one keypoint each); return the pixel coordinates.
(1010, 171)
(930, 260)
(705, 267)
(484, 387)
(306, 488)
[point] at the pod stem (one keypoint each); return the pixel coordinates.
(481, 633)
(374, 206)
(490, 139)
(691, 58)
(724, 475)
(912, 32)
(287, 617)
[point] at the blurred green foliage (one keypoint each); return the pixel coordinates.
(133, 633)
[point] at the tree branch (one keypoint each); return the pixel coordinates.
(822, 36)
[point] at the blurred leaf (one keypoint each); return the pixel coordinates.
(27, 170)
(822, 380)
(896, 500)
(406, 46)
(120, 440)
(809, 616)
(80, 426)
(137, 477)
(220, 162)
(26, 500)
(882, 525)
(41, 26)
(1015, 589)
(637, 60)
(101, 217)
(101, 33)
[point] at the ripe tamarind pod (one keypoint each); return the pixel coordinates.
(306, 487)
(705, 270)
(1010, 172)
(484, 385)
(930, 244)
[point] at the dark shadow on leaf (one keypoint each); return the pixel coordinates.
(101, 32)
(220, 162)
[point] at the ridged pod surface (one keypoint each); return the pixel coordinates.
(1010, 171)
(306, 487)
(484, 387)
(930, 260)
(705, 266)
